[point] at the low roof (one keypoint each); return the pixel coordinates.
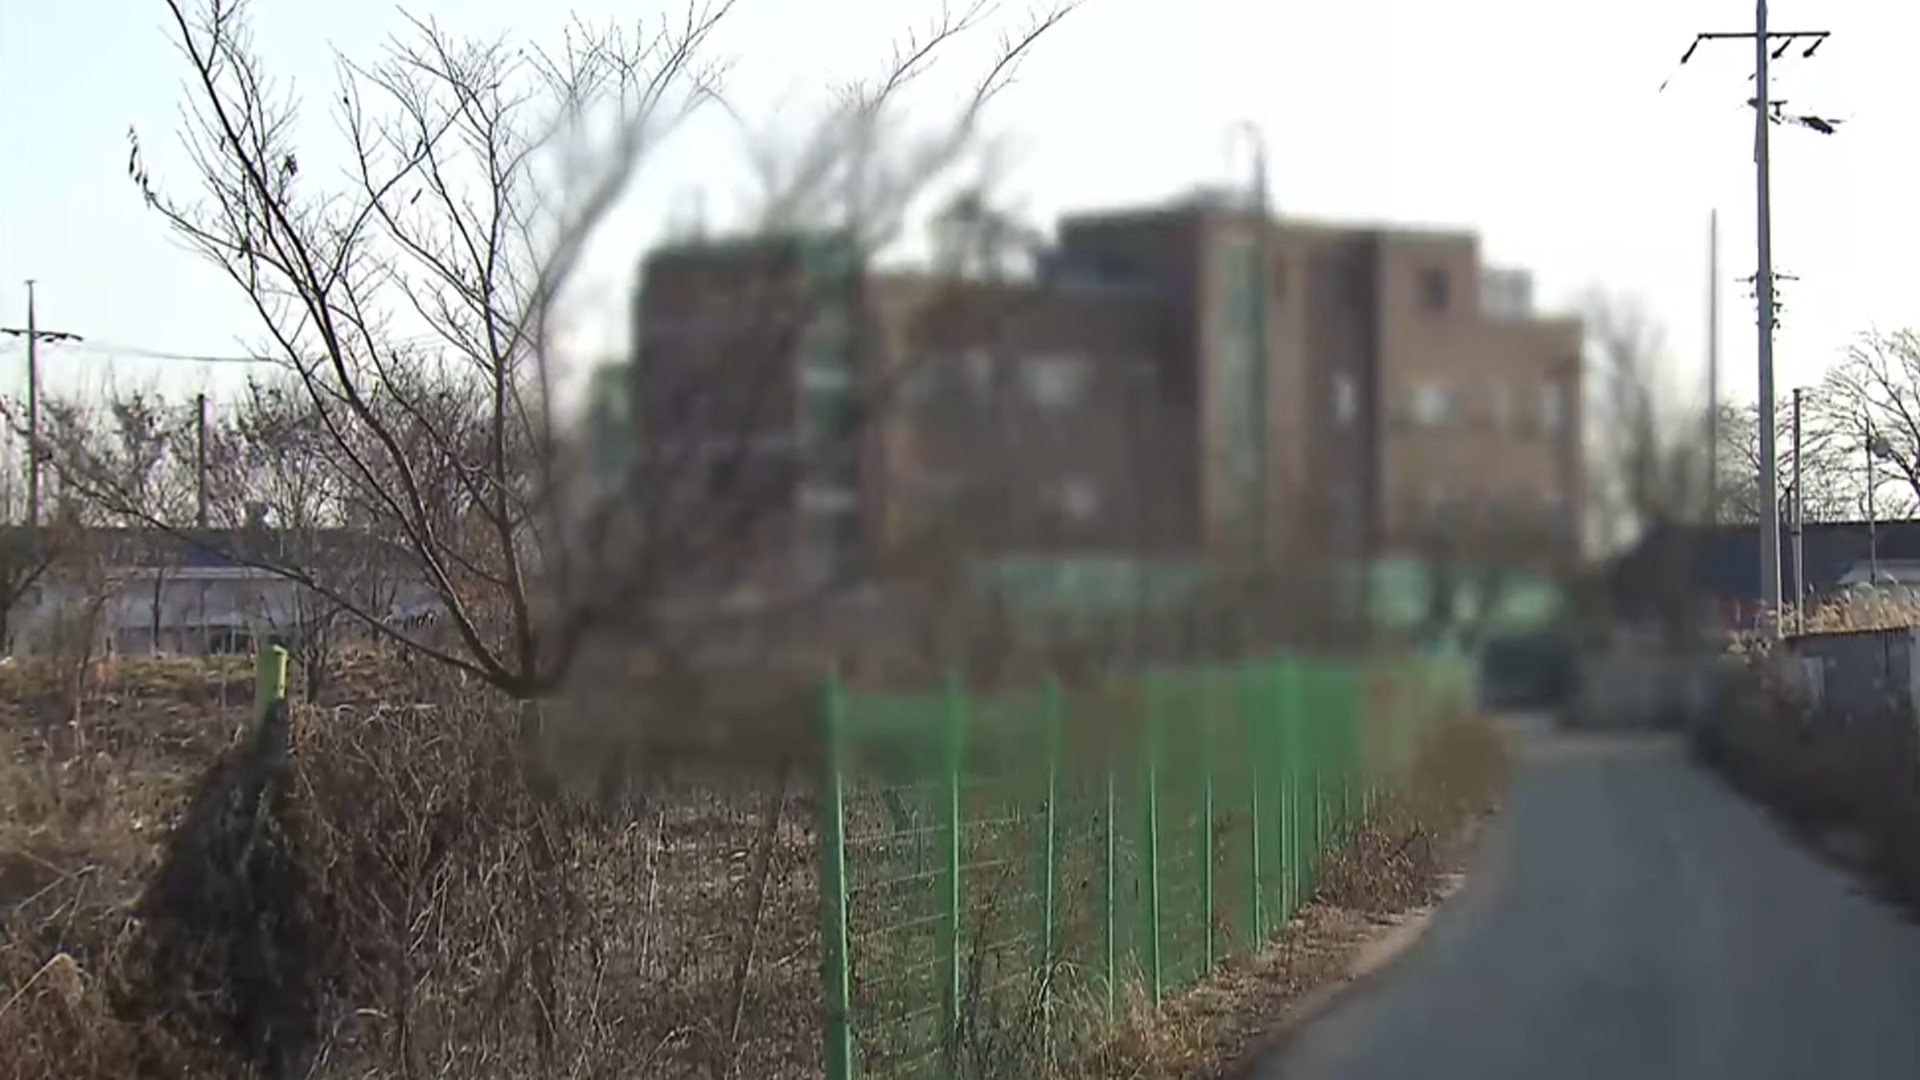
(215, 548)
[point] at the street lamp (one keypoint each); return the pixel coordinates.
(1878, 448)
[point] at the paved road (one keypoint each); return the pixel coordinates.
(1629, 918)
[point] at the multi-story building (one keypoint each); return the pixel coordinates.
(1111, 402)
(1412, 395)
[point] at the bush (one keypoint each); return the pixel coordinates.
(402, 892)
(1821, 774)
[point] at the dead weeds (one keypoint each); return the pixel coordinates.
(407, 895)
(400, 892)
(1849, 785)
(1393, 864)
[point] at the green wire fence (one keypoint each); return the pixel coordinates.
(1004, 875)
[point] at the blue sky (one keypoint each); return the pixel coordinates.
(1538, 124)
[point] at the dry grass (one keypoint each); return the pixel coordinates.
(1394, 863)
(1823, 777)
(405, 895)
(410, 894)
(1860, 610)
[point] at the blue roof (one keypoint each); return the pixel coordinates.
(1725, 559)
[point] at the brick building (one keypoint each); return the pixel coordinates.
(1106, 404)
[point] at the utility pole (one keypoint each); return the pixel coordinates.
(1767, 45)
(1877, 448)
(1873, 519)
(1713, 368)
(34, 336)
(200, 461)
(1799, 525)
(1763, 212)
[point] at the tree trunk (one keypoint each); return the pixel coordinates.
(543, 865)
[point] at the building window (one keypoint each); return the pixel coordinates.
(1346, 400)
(1239, 275)
(832, 424)
(1432, 405)
(834, 539)
(721, 474)
(1078, 500)
(981, 369)
(1506, 294)
(1056, 383)
(1553, 407)
(831, 417)
(919, 384)
(1348, 521)
(826, 343)
(1436, 290)
(1500, 406)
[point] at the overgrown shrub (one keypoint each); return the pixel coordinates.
(402, 893)
(1822, 774)
(1394, 858)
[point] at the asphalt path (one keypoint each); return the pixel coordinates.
(1629, 917)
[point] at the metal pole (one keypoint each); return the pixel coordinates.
(1873, 541)
(1769, 490)
(33, 411)
(1713, 368)
(1799, 525)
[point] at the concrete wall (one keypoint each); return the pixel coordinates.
(1859, 676)
(1644, 691)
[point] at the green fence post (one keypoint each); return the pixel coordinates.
(1357, 711)
(833, 883)
(269, 681)
(1050, 712)
(1112, 893)
(954, 746)
(1152, 755)
(1207, 715)
(1339, 731)
(1286, 801)
(1254, 723)
(1316, 735)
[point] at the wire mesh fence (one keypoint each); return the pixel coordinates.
(1002, 874)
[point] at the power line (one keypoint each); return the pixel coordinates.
(111, 350)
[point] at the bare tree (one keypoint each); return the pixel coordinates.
(1831, 477)
(1870, 407)
(414, 307)
(267, 452)
(27, 555)
(150, 449)
(866, 163)
(1646, 465)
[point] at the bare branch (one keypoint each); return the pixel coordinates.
(413, 308)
